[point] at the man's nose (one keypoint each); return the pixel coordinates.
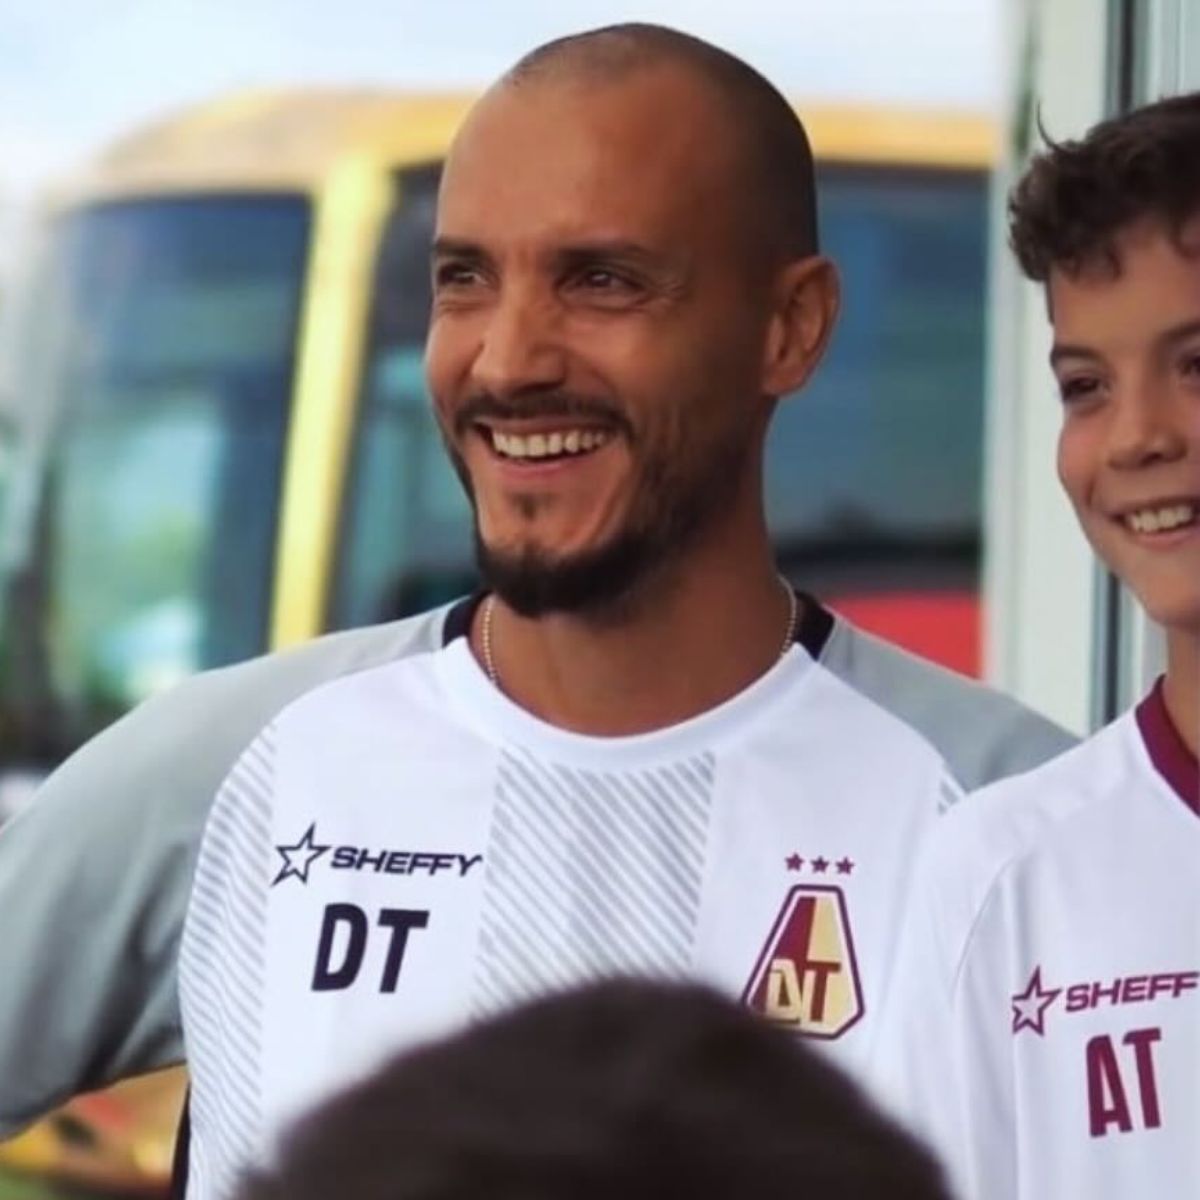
(520, 346)
(1148, 425)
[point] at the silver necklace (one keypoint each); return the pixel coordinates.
(489, 607)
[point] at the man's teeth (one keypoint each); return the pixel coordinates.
(547, 445)
(1154, 520)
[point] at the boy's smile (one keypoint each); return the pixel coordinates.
(1127, 359)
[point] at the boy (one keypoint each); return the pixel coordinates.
(1044, 1030)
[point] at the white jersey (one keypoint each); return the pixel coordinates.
(404, 849)
(1044, 1026)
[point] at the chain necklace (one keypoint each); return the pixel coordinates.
(489, 607)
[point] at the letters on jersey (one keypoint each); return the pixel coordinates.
(299, 858)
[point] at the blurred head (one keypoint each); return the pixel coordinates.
(626, 278)
(625, 1090)
(1111, 225)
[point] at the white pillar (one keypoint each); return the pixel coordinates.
(1168, 33)
(1038, 571)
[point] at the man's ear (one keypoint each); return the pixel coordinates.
(804, 312)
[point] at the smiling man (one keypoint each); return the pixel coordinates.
(605, 351)
(643, 752)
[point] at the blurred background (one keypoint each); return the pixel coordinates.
(214, 437)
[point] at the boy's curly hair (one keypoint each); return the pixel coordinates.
(1076, 196)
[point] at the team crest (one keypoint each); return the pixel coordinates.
(806, 978)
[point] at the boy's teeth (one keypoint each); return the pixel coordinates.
(546, 445)
(1153, 520)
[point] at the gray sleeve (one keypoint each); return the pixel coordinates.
(983, 735)
(95, 875)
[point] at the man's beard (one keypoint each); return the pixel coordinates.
(535, 584)
(671, 508)
(669, 513)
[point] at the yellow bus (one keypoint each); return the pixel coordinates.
(225, 442)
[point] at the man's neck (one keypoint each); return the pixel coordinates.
(1181, 689)
(696, 638)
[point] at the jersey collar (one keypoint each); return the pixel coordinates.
(812, 629)
(1170, 755)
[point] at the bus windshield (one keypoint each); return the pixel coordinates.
(163, 350)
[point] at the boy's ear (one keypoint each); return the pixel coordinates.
(804, 311)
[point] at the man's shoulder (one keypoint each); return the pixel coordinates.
(982, 734)
(867, 735)
(182, 744)
(252, 692)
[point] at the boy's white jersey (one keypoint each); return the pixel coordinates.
(403, 850)
(1043, 1029)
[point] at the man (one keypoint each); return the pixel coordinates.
(621, 1089)
(1046, 1019)
(640, 751)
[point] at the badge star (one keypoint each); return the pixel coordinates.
(820, 865)
(298, 858)
(794, 862)
(1029, 1007)
(845, 866)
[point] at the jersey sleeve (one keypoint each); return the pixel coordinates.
(93, 881)
(938, 1058)
(96, 874)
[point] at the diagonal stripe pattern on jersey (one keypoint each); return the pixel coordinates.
(590, 874)
(223, 1009)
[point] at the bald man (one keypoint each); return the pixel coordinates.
(639, 751)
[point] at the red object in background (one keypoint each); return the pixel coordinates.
(943, 626)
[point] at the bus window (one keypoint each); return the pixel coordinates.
(873, 471)
(406, 535)
(152, 546)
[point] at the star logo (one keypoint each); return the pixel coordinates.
(1029, 1007)
(298, 858)
(845, 866)
(794, 862)
(820, 865)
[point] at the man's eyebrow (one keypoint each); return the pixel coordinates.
(446, 247)
(608, 248)
(570, 254)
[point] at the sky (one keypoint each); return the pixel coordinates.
(76, 73)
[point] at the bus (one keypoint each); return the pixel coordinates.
(226, 447)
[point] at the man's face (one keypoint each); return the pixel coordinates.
(597, 338)
(1127, 358)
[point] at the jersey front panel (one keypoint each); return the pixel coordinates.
(1073, 1030)
(430, 854)
(380, 821)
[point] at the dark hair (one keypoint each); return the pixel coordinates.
(1077, 196)
(773, 139)
(621, 1089)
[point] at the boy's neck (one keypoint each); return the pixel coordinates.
(1181, 688)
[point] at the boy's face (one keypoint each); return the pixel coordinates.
(1127, 359)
